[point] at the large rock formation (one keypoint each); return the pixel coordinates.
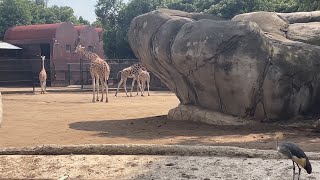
(244, 67)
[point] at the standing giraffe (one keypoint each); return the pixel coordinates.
(130, 72)
(99, 70)
(43, 77)
(144, 77)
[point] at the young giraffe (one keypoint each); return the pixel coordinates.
(144, 77)
(43, 77)
(129, 72)
(99, 70)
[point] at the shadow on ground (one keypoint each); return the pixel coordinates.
(258, 136)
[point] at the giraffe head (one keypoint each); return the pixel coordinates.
(43, 57)
(79, 48)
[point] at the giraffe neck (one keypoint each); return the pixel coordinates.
(42, 64)
(89, 55)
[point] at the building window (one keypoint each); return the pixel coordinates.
(90, 48)
(68, 48)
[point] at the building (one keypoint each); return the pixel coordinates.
(57, 42)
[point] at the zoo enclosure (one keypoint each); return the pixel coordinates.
(24, 73)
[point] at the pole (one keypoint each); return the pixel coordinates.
(33, 82)
(81, 75)
(69, 73)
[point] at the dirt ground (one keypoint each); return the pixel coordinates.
(71, 118)
(149, 167)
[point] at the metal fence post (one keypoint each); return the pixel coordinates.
(33, 82)
(81, 75)
(69, 73)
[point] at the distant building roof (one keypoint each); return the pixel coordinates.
(39, 31)
(80, 27)
(99, 30)
(4, 45)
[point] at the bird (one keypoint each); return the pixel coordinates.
(293, 152)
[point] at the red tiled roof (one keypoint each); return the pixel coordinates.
(80, 27)
(99, 30)
(39, 31)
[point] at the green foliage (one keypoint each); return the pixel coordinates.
(26, 12)
(14, 12)
(83, 21)
(116, 16)
(97, 24)
(308, 5)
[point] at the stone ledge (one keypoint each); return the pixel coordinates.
(193, 113)
(143, 149)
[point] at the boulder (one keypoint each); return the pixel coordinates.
(300, 17)
(305, 32)
(233, 67)
(267, 21)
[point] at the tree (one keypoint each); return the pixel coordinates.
(42, 2)
(25, 12)
(106, 11)
(63, 13)
(97, 24)
(13, 13)
(116, 18)
(83, 21)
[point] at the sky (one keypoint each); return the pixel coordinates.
(84, 8)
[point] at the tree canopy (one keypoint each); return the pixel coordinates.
(116, 16)
(26, 12)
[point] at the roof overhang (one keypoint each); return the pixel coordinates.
(5, 45)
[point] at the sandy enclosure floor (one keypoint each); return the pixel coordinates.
(149, 167)
(71, 118)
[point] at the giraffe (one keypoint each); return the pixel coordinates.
(99, 70)
(144, 77)
(43, 77)
(130, 72)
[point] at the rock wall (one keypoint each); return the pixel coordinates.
(244, 67)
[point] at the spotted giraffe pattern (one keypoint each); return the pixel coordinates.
(130, 72)
(99, 70)
(43, 77)
(144, 78)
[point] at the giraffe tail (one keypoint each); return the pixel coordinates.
(118, 76)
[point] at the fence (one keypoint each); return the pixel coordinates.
(24, 72)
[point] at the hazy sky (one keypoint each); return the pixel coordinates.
(84, 8)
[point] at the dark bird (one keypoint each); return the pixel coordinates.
(293, 152)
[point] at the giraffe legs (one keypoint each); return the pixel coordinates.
(137, 90)
(139, 85)
(142, 88)
(133, 81)
(148, 82)
(119, 84)
(125, 86)
(97, 84)
(43, 87)
(102, 89)
(94, 88)
(107, 91)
